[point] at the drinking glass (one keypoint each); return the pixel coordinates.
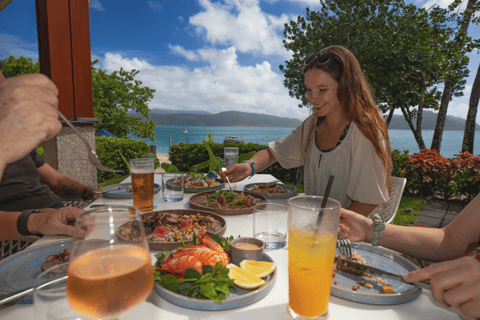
(141, 171)
(312, 235)
(270, 224)
(173, 187)
(230, 155)
(108, 276)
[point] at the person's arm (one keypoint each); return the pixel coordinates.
(61, 184)
(362, 208)
(49, 222)
(450, 242)
(237, 172)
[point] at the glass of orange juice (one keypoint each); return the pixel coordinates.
(312, 236)
(110, 270)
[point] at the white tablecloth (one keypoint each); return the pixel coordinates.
(274, 305)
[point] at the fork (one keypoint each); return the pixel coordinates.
(345, 247)
(92, 156)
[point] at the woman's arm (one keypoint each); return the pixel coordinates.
(237, 172)
(61, 184)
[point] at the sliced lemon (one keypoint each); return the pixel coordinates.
(244, 279)
(259, 268)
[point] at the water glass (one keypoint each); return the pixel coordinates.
(230, 155)
(142, 174)
(312, 237)
(270, 224)
(173, 187)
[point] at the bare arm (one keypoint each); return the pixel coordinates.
(453, 241)
(237, 172)
(61, 184)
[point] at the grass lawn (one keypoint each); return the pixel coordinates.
(407, 218)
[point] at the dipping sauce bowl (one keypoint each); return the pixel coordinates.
(246, 249)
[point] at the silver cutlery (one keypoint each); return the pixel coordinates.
(23, 293)
(92, 156)
(228, 180)
(345, 247)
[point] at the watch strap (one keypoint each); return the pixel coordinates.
(379, 227)
(22, 221)
(254, 168)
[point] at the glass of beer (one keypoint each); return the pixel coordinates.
(312, 237)
(108, 277)
(141, 171)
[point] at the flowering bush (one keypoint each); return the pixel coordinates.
(467, 179)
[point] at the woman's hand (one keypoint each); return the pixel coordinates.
(355, 226)
(454, 283)
(236, 172)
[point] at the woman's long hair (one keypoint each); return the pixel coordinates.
(355, 98)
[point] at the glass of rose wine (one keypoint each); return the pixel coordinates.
(108, 276)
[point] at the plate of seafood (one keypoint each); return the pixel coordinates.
(272, 189)
(206, 262)
(197, 182)
(225, 202)
(359, 286)
(167, 229)
(123, 191)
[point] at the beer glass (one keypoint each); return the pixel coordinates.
(312, 237)
(141, 171)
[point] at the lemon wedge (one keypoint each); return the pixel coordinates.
(259, 268)
(244, 279)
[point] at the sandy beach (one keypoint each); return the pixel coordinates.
(162, 158)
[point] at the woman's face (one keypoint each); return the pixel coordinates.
(322, 92)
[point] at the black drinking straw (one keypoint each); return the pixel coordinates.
(325, 198)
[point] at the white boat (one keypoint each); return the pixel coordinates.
(184, 129)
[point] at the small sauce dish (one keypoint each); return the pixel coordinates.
(246, 249)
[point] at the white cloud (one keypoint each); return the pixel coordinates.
(467, 90)
(95, 4)
(242, 24)
(188, 54)
(16, 46)
(113, 61)
(443, 4)
(155, 6)
(310, 3)
(222, 86)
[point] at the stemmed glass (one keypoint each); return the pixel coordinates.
(108, 276)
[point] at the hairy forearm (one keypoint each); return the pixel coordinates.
(8, 225)
(72, 188)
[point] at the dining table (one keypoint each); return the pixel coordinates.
(274, 304)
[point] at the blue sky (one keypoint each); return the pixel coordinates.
(211, 55)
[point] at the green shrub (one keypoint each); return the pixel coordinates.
(110, 151)
(185, 156)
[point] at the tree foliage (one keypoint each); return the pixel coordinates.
(404, 51)
(114, 95)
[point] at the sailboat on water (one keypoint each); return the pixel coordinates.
(184, 129)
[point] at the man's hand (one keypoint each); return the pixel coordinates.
(28, 115)
(51, 222)
(454, 283)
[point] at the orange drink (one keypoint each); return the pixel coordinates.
(310, 267)
(312, 236)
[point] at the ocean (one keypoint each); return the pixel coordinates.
(399, 139)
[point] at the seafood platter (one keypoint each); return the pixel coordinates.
(226, 202)
(169, 229)
(272, 189)
(194, 183)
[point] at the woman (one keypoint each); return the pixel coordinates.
(345, 136)
(455, 282)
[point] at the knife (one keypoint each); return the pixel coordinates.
(377, 271)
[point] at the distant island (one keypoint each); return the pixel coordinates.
(164, 117)
(222, 119)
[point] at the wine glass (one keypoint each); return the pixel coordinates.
(108, 276)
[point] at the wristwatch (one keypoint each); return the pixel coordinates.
(22, 221)
(254, 169)
(379, 227)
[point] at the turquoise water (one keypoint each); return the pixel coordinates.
(399, 139)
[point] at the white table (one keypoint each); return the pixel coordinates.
(274, 305)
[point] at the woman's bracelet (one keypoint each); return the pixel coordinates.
(379, 227)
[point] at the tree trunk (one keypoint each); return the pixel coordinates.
(420, 103)
(389, 117)
(469, 134)
(447, 91)
(417, 134)
(442, 114)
